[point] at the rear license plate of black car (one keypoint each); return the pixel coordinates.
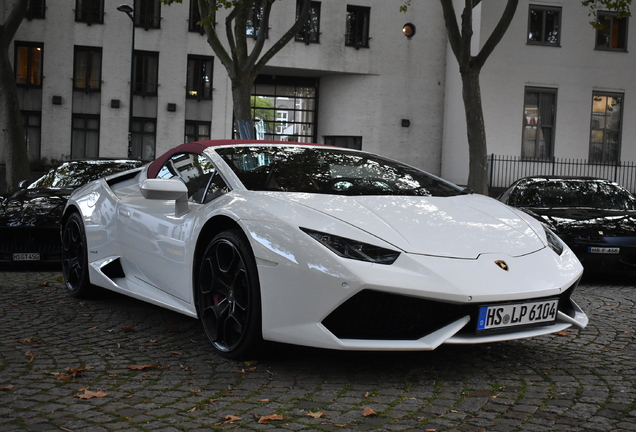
(516, 314)
(26, 257)
(604, 250)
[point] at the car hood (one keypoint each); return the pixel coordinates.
(583, 221)
(34, 207)
(464, 226)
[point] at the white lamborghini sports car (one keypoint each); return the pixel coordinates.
(318, 246)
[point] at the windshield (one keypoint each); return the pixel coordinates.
(581, 193)
(329, 171)
(77, 173)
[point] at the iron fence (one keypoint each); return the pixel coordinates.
(503, 170)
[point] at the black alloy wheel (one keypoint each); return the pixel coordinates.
(75, 257)
(229, 303)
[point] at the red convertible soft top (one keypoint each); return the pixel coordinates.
(198, 147)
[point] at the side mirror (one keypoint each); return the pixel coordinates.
(167, 189)
(24, 184)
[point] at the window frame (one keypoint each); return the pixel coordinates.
(33, 133)
(309, 33)
(143, 84)
(87, 88)
(197, 136)
(148, 14)
(544, 30)
(539, 125)
(622, 32)
(357, 37)
(197, 90)
(36, 11)
(140, 152)
(75, 150)
(33, 76)
(194, 17)
(89, 11)
(254, 23)
(350, 141)
(606, 156)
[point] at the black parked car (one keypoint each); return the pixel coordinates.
(30, 218)
(595, 217)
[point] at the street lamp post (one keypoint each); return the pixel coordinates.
(130, 11)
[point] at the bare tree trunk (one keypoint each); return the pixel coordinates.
(12, 129)
(476, 130)
(241, 96)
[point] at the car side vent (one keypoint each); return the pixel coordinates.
(383, 316)
(113, 270)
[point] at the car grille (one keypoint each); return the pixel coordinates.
(384, 316)
(45, 241)
(379, 315)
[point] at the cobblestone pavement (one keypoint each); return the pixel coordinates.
(114, 363)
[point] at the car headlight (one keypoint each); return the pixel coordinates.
(353, 249)
(555, 243)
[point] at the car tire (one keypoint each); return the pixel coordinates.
(75, 257)
(228, 293)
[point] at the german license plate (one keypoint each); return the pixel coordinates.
(26, 257)
(516, 314)
(604, 250)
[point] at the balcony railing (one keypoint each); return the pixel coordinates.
(503, 170)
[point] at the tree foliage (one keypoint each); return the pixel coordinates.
(621, 7)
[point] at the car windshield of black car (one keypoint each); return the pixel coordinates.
(569, 193)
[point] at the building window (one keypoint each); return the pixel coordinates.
(310, 32)
(284, 108)
(544, 25)
(36, 9)
(89, 11)
(199, 80)
(33, 133)
(144, 138)
(352, 142)
(253, 27)
(539, 119)
(28, 64)
(146, 73)
(197, 130)
(194, 18)
(85, 138)
(605, 137)
(357, 31)
(148, 14)
(612, 32)
(87, 72)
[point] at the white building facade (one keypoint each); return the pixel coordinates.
(553, 88)
(353, 79)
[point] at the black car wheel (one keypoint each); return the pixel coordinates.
(229, 303)
(75, 257)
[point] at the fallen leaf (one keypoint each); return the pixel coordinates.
(90, 394)
(44, 284)
(77, 371)
(142, 367)
(153, 341)
(244, 370)
(233, 418)
(127, 329)
(366, 412)
(251, 362)
(175, 352)
(31, 356)
(28, 340)
(271, 417)
(7, 387)
(562, 333)
(63, 377)
(263, 400)
(315, 415)
(192, 410)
